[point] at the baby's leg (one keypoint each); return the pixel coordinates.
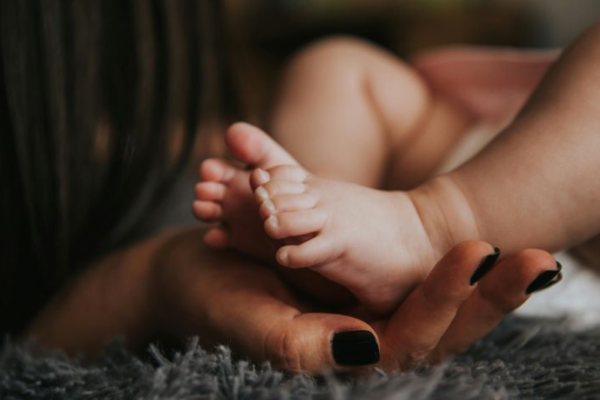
(362, 235)
(537, 184)
(346, 107)
(493, 84)
(224, 196)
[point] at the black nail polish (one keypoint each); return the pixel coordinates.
(486, 265)
(552, 282)
(355, 348)
(545, 280)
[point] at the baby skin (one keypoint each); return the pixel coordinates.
(309, 219)
(369, 240)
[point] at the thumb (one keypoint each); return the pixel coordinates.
(249, 308)
(314, 343)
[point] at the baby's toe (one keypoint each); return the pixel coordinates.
(210, 191)
(217, 238)
(292, 173)
(216, 170)
(253, 146)
(288, 203)
(296, 223)
(207, 211)
(259, 177)
(278, 188)
(313, 252)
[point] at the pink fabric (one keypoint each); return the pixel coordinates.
(491, 83)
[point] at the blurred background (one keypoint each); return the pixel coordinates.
(261, 35)
(264, 33)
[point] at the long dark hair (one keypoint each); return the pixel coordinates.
(99, 107)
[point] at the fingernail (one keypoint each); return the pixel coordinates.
(545, 280)
(355, 348)
(486, 265)
(552, 282)
(264, 175)
(269, 206)
(262, 193)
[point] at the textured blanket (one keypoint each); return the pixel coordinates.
(522, 359)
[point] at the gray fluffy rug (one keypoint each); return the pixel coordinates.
(521, 359)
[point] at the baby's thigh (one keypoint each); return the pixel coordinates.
(351, 95)
(371, 103)
(420, 127)
(337, 67)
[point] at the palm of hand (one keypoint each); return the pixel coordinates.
(228, 300)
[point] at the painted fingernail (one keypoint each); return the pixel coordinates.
(552, 282)
(355, 348)
(263, 175)
(545, 280)
(269, 206)
(262, 193)
(486, 265)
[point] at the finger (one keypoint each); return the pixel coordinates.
(421, 320)
(500, 292)
(266, 328)
(315, 343)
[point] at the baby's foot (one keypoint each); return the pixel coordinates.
(369, 241)
(224, 195)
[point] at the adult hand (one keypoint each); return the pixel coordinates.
(225, 299)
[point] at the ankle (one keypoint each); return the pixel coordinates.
(445, 213)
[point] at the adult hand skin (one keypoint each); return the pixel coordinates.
(228, 300)
(173, 284)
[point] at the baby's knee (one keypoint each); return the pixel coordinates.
(341, 50)
(336, 56)
(347, 60)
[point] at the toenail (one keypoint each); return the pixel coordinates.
(262, 193)
(273, 221)
(264, 176)
(282, 257)
(270, 206)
